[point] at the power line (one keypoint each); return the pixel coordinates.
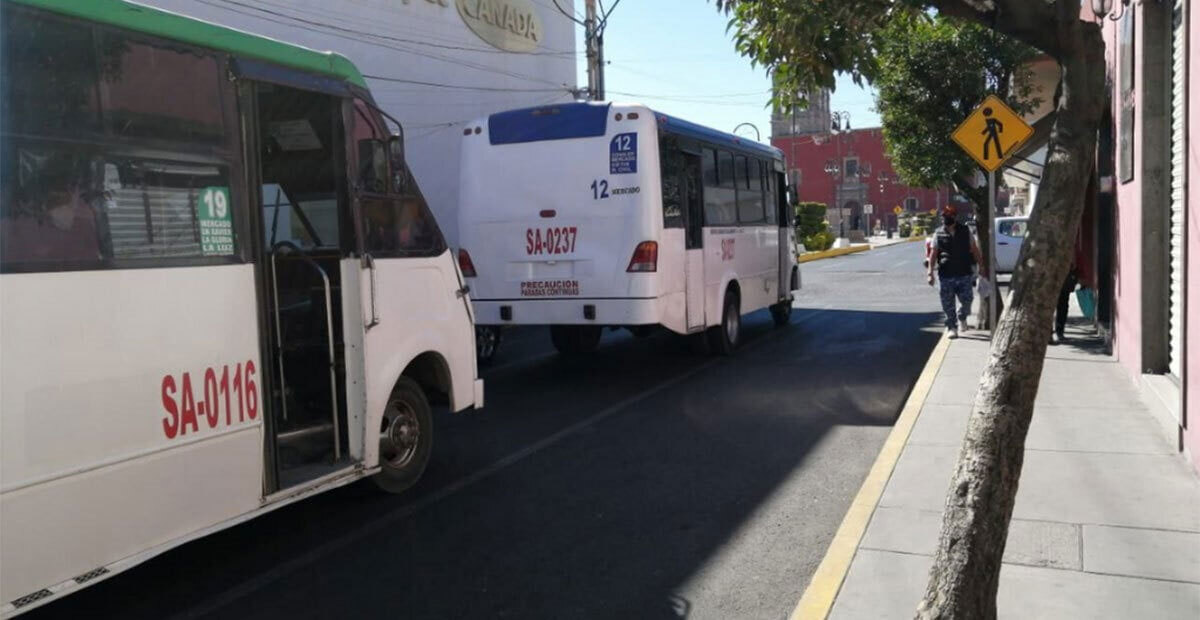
(385, 78)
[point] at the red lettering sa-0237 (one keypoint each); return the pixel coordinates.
(552, 240)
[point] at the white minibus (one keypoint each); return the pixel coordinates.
(221, 290)
(582, 216)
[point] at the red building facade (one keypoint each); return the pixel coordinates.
(851, 169)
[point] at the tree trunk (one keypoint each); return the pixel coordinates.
(983, 226)
(966, 569)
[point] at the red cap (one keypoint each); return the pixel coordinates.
(950, 210)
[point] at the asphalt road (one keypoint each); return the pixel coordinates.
(643, 481)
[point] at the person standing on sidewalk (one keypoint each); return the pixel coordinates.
(954, 252)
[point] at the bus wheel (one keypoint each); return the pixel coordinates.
(405, 437)
(572, 339)
(782, 312)
(723, 338)
(487, 342)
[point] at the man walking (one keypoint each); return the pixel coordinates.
(954, 252)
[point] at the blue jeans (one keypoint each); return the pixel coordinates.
(959, 287)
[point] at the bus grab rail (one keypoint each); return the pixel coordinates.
(337, 440)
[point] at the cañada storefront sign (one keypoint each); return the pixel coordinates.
(510, 25)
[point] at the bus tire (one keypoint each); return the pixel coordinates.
(724, 338)
(575, 339)
(405, 437)
(487, 342)
(782, 312)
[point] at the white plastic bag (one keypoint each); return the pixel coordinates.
(984, 287)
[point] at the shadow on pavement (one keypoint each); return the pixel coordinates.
(610, 520)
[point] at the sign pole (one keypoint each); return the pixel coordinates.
(992, 305)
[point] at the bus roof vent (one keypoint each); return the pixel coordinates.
(553, 122)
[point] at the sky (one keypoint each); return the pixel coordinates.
(675, 56)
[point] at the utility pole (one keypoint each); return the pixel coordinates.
(592, 44)
(594, 23)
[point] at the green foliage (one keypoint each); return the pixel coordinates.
(811, 228)
(818, 241)
(810, 218)
(931, 73)
(906, 229)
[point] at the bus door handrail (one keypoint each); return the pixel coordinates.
(337, 440)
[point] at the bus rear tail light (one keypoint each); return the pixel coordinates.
(645, 258)
(465, 264)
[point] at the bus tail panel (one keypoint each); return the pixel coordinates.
(555, 204)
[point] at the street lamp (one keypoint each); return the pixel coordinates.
(834, 169)
(884, 178)
(840, 123)
(757, 134)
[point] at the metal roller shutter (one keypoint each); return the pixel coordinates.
(1177, 239)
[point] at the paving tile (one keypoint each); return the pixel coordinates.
(941, 425)
(1154, 491)
(886, 585)
(1095, 430)
(1135, 490)
(882, 585)
(1143, 553)
(1032, 593)
(1034, 543)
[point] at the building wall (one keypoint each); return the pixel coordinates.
(809, 154)
(1133, 239)
(1191, 435)
(442, 74)
(1127, 306)
(813, 119)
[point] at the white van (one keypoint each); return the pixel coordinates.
(1010, 234)
(585, 215)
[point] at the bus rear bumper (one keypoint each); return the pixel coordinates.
(573, 311)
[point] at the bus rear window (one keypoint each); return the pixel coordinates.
(556, 122)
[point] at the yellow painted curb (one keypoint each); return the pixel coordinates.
(811, 256)
(823, 588)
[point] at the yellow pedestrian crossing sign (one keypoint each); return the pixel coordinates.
(992, 133)
(897, 210)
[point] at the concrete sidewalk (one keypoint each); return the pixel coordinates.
(881, 241)
(1107, 519)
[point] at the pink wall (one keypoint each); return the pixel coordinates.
(1127, 307)
(1191, 370)
(1127, 262)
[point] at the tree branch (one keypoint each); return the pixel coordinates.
(1024, 20)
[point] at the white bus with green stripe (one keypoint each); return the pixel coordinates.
(221, 290)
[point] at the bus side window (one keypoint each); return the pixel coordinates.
(397, 221)
(48, 209)
(749, 193)
(672, 184)
(720, 197)
(370, 137)
(768, 193)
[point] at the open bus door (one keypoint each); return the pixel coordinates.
(692, 185)
(296, 153)
(787, 260)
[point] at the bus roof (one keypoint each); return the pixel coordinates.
(583, 120)
(680, 127)
(179, 28)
